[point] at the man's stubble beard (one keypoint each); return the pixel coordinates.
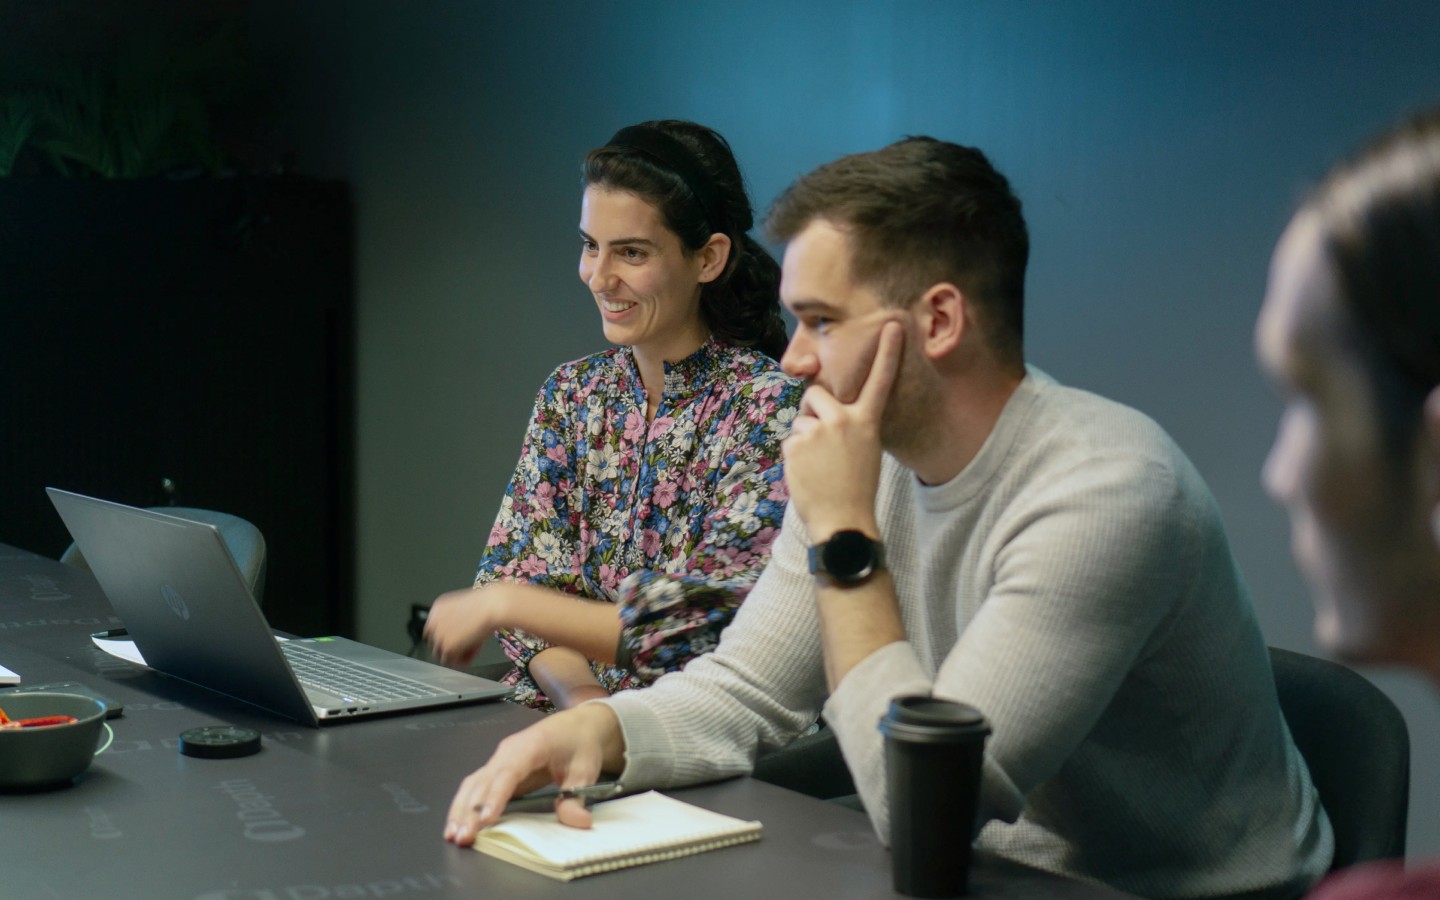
(909, 421)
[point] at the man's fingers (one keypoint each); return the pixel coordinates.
(475, 805)
(582, 770)
(568, 749)
(818, 403)
(571, 811)
(483, 794)
(875, 392)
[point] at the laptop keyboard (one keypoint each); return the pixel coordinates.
(354, 682)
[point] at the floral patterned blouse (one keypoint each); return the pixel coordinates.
(606, 506)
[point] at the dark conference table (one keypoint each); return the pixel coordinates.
(353, 810)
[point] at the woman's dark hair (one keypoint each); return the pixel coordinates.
(742, 305)
(1379, 216)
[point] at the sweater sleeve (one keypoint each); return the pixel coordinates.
(757, 691)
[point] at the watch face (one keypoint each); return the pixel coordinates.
(849, 556)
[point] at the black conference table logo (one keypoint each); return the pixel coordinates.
(385, 887)
(404, 800)
(43, 589)
(257, 812)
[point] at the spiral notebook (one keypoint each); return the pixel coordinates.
(632, 831)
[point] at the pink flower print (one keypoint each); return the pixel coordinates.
(650, 542)
(778, 492)
(708, 410)
(531, 566)
(634, 427)
(545, 499)
(741, 561)
(610, 576)
(665, 493)
(498, 534)
(732, 561)
(726, 426)
(557, 453)
(662, 425)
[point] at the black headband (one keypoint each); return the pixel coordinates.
(671, 154)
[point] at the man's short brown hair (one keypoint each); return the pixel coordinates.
(919, 212)
(1379, 215)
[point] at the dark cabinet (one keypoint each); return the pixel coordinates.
(198, 332)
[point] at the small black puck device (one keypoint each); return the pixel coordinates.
(219, 742)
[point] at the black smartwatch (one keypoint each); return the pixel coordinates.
(849, 557)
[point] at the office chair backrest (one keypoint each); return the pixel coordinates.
(244, 541)
(1357, 746)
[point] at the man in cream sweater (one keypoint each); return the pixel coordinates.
(962, 525)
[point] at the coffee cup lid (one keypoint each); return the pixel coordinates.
(921, 717)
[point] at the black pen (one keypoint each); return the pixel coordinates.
(112, 634)
(544, 800)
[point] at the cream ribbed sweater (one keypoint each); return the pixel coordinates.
(1075, 584)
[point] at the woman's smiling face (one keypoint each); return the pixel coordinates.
(646, 287)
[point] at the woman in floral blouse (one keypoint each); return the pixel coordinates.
(649, 486)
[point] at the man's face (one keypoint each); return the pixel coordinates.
(1359, 531)
(838, 321)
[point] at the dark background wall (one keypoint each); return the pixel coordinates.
(1158, 147)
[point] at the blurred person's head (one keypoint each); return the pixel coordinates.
(1350, 331)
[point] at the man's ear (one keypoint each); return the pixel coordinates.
(1428, 458)
(943, 319)
(713, 257)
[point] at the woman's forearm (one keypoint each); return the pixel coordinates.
(564, 676)
(589, 626)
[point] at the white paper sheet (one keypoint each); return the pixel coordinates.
(122, 649)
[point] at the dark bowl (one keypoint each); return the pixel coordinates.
(49, 755)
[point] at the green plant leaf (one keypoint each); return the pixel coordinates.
(141, 113)
(17, 123)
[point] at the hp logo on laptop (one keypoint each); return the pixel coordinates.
(174, 601)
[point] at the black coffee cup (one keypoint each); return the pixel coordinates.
(933, 754)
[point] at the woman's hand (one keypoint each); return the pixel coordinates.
(460, 621)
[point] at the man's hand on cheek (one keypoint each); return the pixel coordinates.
(832, 457)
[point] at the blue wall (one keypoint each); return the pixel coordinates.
(1158, 147)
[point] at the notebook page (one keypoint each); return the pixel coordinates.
(630, 831)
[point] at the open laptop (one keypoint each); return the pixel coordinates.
(185, 603)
